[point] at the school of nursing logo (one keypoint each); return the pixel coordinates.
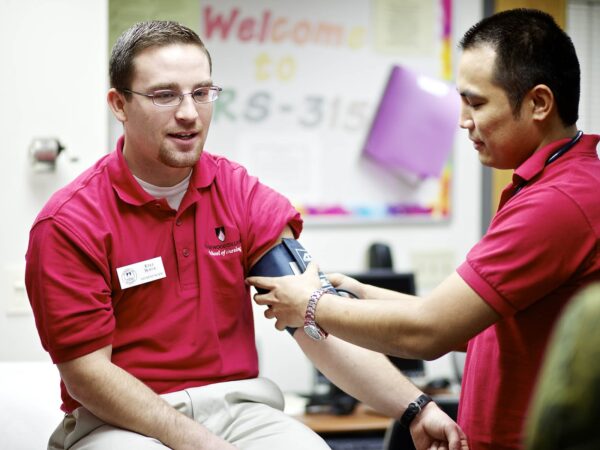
(223, 248)
(129, 276)
(220, 232)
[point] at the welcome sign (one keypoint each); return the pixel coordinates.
(301, 84)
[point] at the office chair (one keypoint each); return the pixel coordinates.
(397, 438)
(380, 257)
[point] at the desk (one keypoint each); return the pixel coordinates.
(364, 429)
(361, 430)
(362, 419)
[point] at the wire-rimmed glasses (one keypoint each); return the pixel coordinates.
(168, 97)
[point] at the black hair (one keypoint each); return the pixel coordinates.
(531, 49)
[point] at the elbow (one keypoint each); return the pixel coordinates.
(80, 379)
(429, 351)
(430, 354)
(422, 345)
(434, 345)
(76, 385)
(422, 335)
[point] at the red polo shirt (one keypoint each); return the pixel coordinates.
(192, 327)
(541, 246)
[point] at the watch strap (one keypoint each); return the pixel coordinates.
(309, 316)
(413, 409)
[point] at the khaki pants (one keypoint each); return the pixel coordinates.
(247, 413)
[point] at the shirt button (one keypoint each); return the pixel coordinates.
(178, 222)
(186, 252)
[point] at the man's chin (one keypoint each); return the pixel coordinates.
(486, 160)
(180, 160)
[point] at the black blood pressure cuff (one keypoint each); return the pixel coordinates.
(287, 258)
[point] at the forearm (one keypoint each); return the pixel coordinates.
(390, 327)
(367, 376)
(371, 378)
(410, 327)
(369, 291)
(120, 399)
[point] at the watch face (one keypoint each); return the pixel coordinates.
(413, 409)
(313, 332)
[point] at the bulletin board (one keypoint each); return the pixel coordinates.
(301, 83)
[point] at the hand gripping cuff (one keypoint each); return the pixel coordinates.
(287, 258)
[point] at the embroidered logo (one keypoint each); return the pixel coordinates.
(220, 232)
(227, 242)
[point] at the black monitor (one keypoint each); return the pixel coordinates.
(399, 282)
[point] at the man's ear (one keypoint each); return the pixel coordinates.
(541, 100)
(116, 102)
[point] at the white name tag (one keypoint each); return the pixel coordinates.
(141, 272)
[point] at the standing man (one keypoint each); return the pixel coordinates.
(519, 81)
(135, 273)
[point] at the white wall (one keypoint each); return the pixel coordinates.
(583, 20)
(53, 80)
(54, 64)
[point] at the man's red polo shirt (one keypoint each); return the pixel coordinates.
(541, 247)
(190, 328)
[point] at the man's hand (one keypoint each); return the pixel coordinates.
(432, 429)
(288, 296)
(346, 283)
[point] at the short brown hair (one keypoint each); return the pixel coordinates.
(141, 36)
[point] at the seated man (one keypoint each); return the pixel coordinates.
(135, 273)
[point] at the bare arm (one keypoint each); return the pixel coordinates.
(371, 378)
(410, 327)
(356, 370)
(366, 291)
(122, 400)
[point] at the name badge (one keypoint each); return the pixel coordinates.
(141, 272)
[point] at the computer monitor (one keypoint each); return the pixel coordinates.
(399, 282)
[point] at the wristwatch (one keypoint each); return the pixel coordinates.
(311, 328)
(413, 409)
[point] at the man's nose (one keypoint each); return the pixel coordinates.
(465, 121)
(187, 109)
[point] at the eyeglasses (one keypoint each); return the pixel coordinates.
(167, 97)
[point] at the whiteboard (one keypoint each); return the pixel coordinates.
(301, 83)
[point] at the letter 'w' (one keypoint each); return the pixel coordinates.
(218, 23)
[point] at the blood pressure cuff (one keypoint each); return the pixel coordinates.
(287, 258)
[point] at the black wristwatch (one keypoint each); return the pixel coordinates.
(413, 409)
